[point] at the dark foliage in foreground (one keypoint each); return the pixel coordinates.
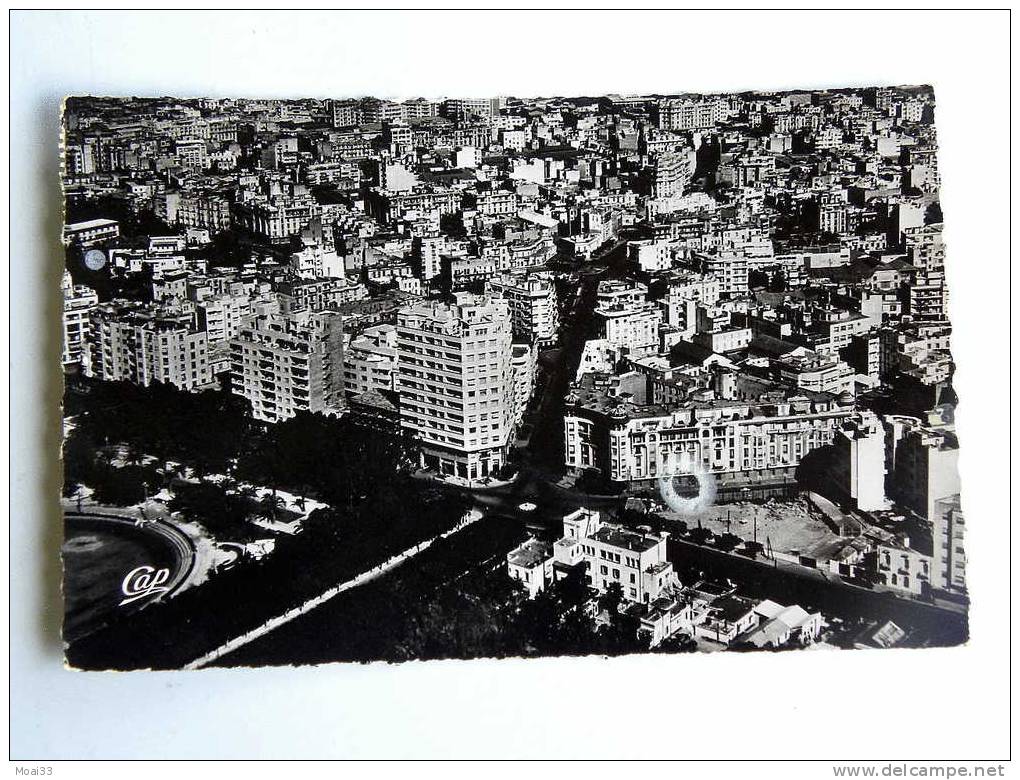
(330, 459)
(452, 601)
(336, 545)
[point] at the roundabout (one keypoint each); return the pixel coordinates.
(115, 564)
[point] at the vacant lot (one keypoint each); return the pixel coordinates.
(791, 526)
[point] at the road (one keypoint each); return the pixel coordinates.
(183, 549)
(789, 583)
(102, 548)
(364, 577)
(544, 463)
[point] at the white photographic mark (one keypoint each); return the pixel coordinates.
(95, 259)
(684, 505)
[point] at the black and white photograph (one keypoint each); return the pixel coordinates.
(354, 379)
(479, 384)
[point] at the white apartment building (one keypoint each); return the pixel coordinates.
(513, 140)
(725, 339)
(612, 292)
(220, 316)
(686, 113)
(142, 343)
(429, 251)
(313, 262)
(902, 568)
(79, 301)
(192, 153)
(531, 564)
(345, 112)
(288, 363)
(613, 554)
(728, 266)
(949, 558)
(533, 306)
(609, 555)
(91, 232)
(631, 325)
(927, 297)
(814, 372)
(496, 203)
(370, 361)
(670, 173)
(679, 305)
(522, 364)
(318, 294)
(925, 467)
(924, 247)
(859, 467)
(650, 255)
(278, 217)
(456, 384)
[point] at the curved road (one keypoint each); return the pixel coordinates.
(180, 543)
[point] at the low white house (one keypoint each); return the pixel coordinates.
(727, 618)
(531, 564)
(779, 625)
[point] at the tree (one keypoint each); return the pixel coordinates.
(270, 505)
(757, 280)
(124, 486)
(611, 599)
(79, 460)
(133, 454)
(225, 515)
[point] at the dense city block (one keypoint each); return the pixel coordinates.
(360, 379)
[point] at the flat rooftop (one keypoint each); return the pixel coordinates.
(89, 224)
(624, 538)
(530, 554)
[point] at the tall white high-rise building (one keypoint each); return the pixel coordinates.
(289, 363)
(456, 382)
(859, 468)
(220, 316)
(532, 302)
(370, 360)
(926, 468)
(79, 301)
(146, 343)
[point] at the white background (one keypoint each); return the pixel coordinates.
(935, 704)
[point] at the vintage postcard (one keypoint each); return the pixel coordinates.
(371, 380)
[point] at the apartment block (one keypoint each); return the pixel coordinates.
(455, 381)
(146, 343)
(531, 298)
(288, 363)
(79, 301)
(370, 361)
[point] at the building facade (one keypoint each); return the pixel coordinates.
(455, 381)
(144, 343)
(532, 302)
(289, 363)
